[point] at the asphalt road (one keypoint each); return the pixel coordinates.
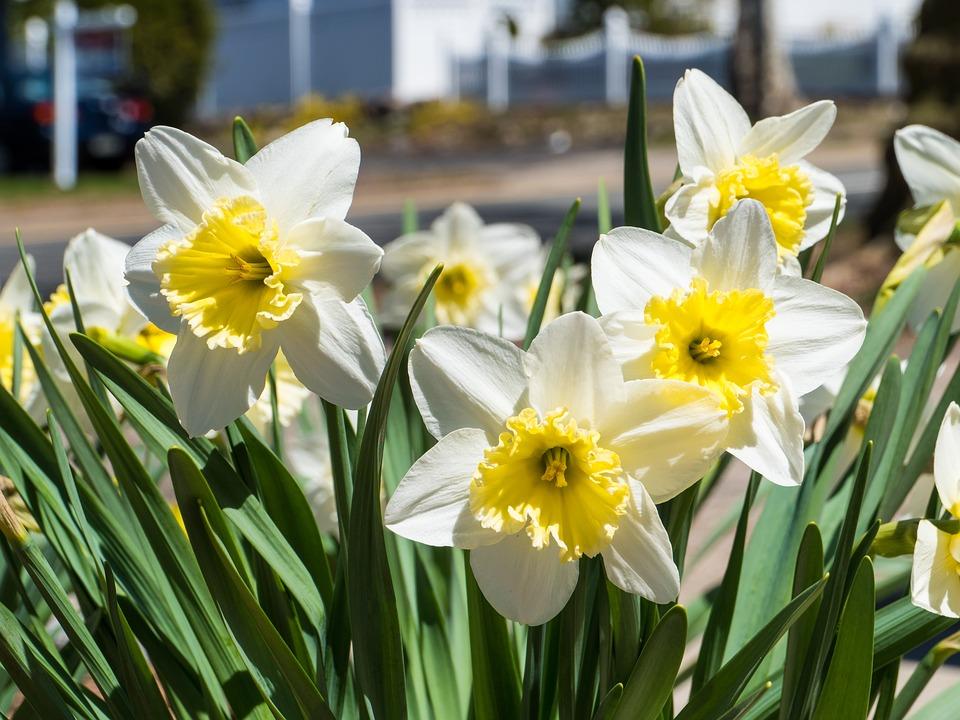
(544, 215)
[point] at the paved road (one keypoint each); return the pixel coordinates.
(544, 215)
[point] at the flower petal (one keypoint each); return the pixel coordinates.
(768, 436)
(708, 122)
(633, 342)
(310, 172)
(946, 460)
(631, 265)
(143, 285)
(820, 211)
(814, 332)
(462, 378)
(688, 210)
(334, 349)
(934, 581)
(640, 558)
(411, 254)
(522, 583)
(431, 505)
(181, 176)
(459, 225)
(667, 434)
(935, 291)
(790, 136)
(212, 388)
(17, 293)
(930, 163)
(741, 251)
(571, 365)
(334, 256)
(510, 246)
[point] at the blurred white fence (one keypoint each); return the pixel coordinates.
(595, 68)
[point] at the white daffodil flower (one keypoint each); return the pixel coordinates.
(935, 580)
(477, 287)
(929, 234)
(17, 302)
(724, 159)
(721, 316)
(548, 455)
(291, 395)
(95, 264)
(306, 451)
(254, 258)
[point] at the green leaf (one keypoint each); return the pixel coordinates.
(378, 654)
(846, 689)
(725, 687)
(828, 241)
(650, 684)
(496, 681)
(557, 250)
(808, 570)
(244, 145)
(922, 674)
(289, 688)
(410, 222)
(608, 706)
(639, 202)
(721, 614)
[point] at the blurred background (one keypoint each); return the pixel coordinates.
(514, 105)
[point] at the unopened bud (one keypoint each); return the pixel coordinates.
(10, 524)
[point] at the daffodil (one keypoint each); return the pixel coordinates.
(95, 263)
(546, 456)
(254, 258)
(935, 580)
(720, 316)
(482, 263)
(17, 302)
(306, 452)
(291, 395)
(724, 159)
(928, 235)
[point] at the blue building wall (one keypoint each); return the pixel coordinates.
(351, 52)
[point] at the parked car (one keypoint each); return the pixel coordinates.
(109, 121)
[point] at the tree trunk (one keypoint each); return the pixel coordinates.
(762, 77)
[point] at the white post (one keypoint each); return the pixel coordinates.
(300, 52)
(616, 37)
(64, 95)
(498, 68)
(888, 58)
(36, 38)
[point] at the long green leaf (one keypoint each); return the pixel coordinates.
(378, 655)
(639, 201)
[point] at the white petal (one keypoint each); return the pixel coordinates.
(820, 211)
(95, 263)
(334, 256)
(310, 172)
(334, 349)
(790, 136)
(431, 505)
(522, 583)
(741, 251)
(462, 378)
(633, 342)
(708, 122)
(17, 293)
(946, 460)
(510, 246)
(768, 436)
(460, 226)
(667, 434)
(935, 291)
(143, 286)
(934, 581)
(631, 265)
(212, 388)
(571, 365)
(410, 255)
(815, 331)
(182, 176)
(930, 163)
(640, 558)
(688, 210)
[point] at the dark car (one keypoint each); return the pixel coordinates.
(109, 122)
